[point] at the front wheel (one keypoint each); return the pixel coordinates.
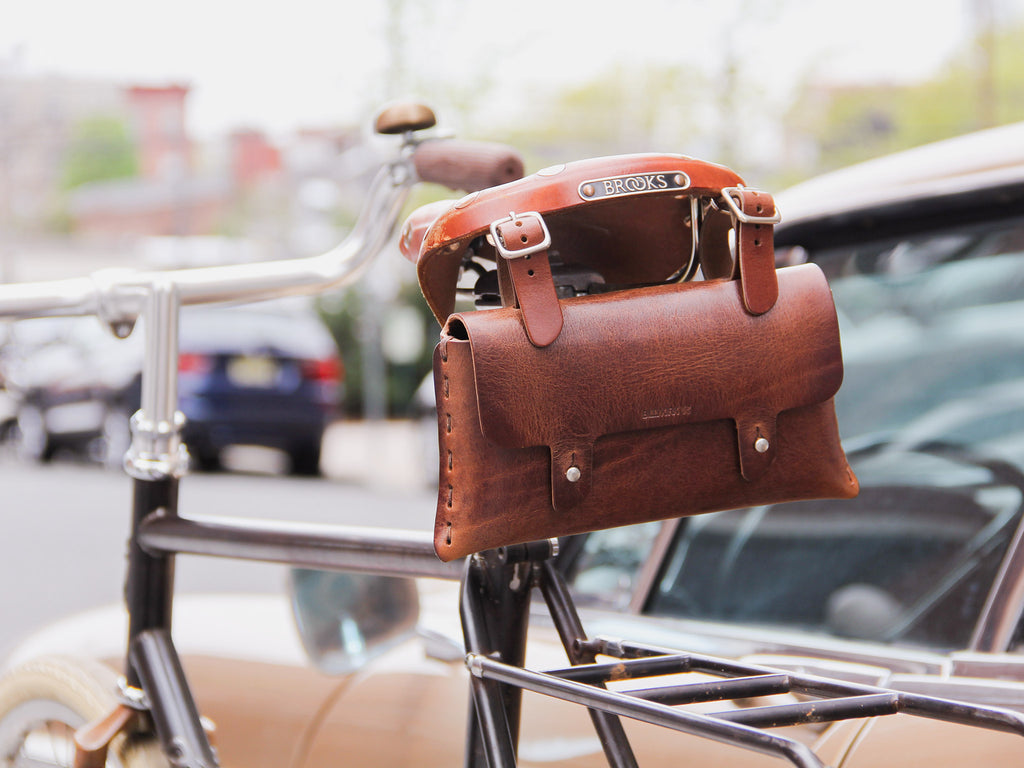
(45, 700)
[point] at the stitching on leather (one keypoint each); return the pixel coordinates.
(446, 388)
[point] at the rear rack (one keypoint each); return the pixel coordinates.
(495, 619)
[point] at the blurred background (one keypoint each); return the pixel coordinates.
(142, 135)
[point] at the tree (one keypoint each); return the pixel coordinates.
(100, 149)
(345, 315)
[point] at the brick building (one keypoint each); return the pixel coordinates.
(157, 115)
(168, 197)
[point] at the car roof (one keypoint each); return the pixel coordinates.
(968, 175)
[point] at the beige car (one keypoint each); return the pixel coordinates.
(916, 586)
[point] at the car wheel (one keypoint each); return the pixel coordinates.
(31, 440)
(306, 460)
(205, 459)
(45, 700)
(8, 431)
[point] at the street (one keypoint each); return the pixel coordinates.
(64, 526)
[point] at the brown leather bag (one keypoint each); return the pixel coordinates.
(563, 415)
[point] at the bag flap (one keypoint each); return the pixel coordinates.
(654, 357)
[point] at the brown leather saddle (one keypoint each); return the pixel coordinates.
(604, 223)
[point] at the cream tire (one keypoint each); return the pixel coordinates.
(42, 703)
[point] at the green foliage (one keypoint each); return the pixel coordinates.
(341, 313)
(625, 109)
(982, 87)
(345, 316)
(100, 149)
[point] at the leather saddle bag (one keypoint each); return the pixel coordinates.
(560, 414)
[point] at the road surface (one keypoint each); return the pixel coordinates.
(64, 526)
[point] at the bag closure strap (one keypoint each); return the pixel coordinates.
(522, 242)
(754, 214)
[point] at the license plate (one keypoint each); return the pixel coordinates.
(252, 371)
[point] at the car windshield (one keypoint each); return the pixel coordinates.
(932, 415)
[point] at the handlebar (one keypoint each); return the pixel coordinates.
(119, 297)
(467, 165)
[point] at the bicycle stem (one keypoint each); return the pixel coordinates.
(156, 450)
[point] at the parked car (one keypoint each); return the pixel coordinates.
(265, 375)
(73, 384)
(918, 584)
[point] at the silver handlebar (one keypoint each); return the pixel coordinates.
(120, 297)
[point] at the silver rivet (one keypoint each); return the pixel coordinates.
(551, 170)
(761, 445)
(572, 474)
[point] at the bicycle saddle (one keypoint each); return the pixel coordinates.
(612, 222)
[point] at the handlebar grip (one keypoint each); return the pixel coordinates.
(467, 165)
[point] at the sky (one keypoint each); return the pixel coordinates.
(308, 62)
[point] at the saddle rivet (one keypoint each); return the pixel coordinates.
(573, 474)
(588, 190)
(761, 445)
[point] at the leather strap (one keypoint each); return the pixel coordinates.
(531, 275)
(752, 214)
(755, 248)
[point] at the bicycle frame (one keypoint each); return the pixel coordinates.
(157, 459)
(496, 586)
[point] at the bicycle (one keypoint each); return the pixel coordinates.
(148, 717)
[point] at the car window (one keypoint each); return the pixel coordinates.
(903, 562)
(927, 322)
(932, 415)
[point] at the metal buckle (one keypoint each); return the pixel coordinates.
(746, 218)
(507, 253)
